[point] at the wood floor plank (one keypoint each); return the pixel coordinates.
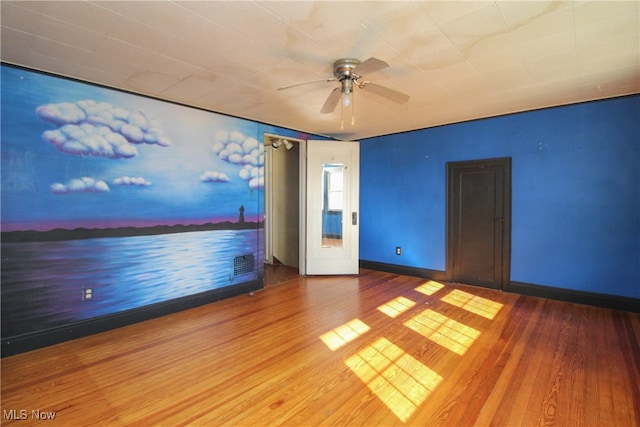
(606, 371)
(372, 349)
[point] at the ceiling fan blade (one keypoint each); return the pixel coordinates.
(369, 66)
(327, 80)
(385, 92)
(332, 101)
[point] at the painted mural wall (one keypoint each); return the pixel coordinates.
(113, 201)
(575, 194)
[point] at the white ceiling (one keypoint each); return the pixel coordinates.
(458, 60)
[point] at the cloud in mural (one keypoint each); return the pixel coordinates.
(214, 176)
(131, 181)
(247, 152)
(90, 140)
(80, 185)
(100, 129)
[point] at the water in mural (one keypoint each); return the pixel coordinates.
(44, 283)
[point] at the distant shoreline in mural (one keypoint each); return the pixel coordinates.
(93, 233)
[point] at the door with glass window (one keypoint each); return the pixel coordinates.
(332, 207)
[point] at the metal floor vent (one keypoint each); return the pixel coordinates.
(244, 264)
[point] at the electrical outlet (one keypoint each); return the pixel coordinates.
(398, 250)
(87, 294)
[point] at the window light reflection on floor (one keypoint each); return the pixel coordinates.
(399, 380)
(336, 338)
(430, 287)
(396, 306)
(443, 330)
(481, 306)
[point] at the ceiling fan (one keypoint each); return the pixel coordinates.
(349, 72)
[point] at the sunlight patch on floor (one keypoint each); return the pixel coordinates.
(430, 287)
(481, 306)
(336, 338)
(399, 380)
(396, 306)
(443, 330)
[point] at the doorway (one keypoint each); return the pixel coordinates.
(282, 201)
(297, 197)
(479, 222)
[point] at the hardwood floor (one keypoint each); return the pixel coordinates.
(374, 349)
(277, 273)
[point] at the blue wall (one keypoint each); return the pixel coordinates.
(575, 193)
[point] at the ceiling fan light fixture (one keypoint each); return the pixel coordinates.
(346, 99)
(347, 89)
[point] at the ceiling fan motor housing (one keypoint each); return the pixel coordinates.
(343, 71)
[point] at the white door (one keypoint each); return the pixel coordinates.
(332, 207)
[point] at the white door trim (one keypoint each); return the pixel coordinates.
(268, 205)
(302, 265)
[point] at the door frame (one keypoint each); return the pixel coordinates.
(452, 167)
(268, 139)
(268, 204)
(302, 202)
(302, 243)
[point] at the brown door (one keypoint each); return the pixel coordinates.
(479, 222)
